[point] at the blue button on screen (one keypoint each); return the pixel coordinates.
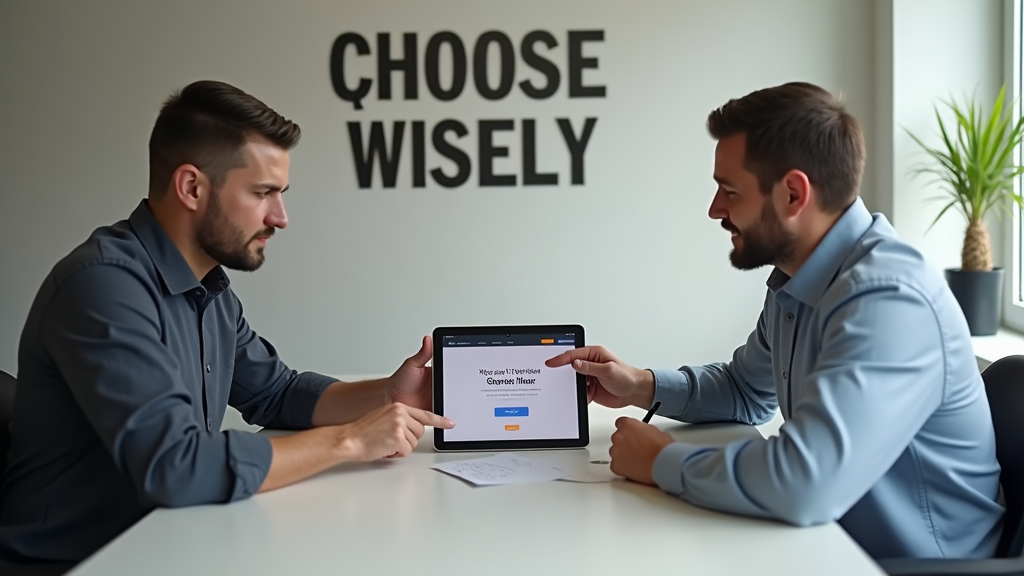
(511, 411)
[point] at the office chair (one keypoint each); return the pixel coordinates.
(7, 383)
(1004, 385)
(7, 386)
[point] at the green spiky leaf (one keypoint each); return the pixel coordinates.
(975, 166)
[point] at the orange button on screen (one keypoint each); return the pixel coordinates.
(511, 427)
(547, 340)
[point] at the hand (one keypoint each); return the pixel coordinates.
(610, 381)
(635, 445)
(390, 431)
(412, 383)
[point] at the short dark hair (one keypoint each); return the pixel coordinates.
(797, 126)
(206, 124)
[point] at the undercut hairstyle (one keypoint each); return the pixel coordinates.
(797, 126)
(207, 124)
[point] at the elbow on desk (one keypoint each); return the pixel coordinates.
(176, 491)
(808, 507)
(173, 491)
(165, 497)
(804, 518)
(803, 507)
(183, 475)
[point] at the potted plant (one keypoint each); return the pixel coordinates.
(976, 167)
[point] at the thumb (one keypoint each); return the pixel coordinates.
(596, 369)
(421, 357)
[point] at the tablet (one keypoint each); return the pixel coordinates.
(492, 381)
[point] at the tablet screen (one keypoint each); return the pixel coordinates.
(496, 387)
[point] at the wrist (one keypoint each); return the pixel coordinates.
(643, 395)
(342, 446)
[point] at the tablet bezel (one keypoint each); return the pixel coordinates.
(583, 422)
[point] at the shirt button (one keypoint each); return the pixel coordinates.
(785, 375)
(209, 424)
(207, 368)
(789, 316)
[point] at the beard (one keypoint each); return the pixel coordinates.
(226, 242)
(766, 242)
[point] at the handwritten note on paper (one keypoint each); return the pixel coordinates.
(501, 469)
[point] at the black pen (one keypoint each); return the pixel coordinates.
(650, 413)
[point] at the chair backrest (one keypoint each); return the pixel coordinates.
(1004, 385)
(7, 385)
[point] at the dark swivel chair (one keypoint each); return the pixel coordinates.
(7, 386)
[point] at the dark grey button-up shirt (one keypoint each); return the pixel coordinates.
(125, 368)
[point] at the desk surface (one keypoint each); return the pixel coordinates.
(401, 517)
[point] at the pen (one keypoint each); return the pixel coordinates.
(650, 413)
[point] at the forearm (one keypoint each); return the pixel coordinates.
(303, 454)
(742, 390)
(714, 393)
(344, 402)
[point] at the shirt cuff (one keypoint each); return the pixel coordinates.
(249, 457)
(672, 389)
(303, 394)
(668, 466)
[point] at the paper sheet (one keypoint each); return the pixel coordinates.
(501, 469)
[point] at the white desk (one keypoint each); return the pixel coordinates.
(401, 517)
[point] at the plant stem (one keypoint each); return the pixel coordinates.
(977, 252)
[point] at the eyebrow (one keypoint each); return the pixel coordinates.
(271, 187)
(723, 181)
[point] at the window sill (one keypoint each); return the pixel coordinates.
(1005, 342)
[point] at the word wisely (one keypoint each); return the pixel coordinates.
(378, 150)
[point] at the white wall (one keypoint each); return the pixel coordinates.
(360, 275)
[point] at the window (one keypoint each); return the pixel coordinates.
(1013, 248)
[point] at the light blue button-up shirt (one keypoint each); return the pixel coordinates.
(887, 426)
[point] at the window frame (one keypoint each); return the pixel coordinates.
(1013, 233)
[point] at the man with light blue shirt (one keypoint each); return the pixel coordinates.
(860, 344)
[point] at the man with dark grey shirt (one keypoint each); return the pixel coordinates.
(135, 345)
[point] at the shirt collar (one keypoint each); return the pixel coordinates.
(816, 274)
(170, 264)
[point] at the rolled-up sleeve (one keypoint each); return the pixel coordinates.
(881, 360)
(107, 345)
(265, 390)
